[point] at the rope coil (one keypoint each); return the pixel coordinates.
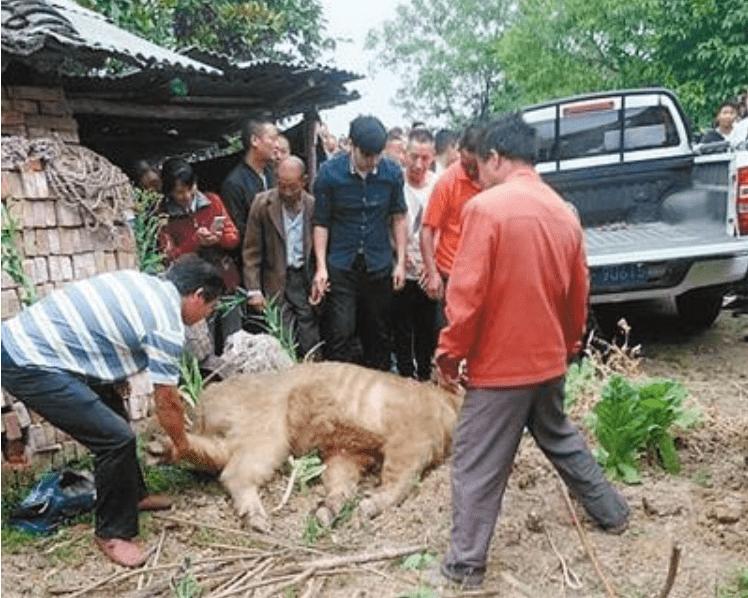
(78, 176)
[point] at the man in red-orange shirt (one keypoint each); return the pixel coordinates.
(442, 220)
(516, 310)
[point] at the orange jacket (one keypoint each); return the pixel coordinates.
(517, 295)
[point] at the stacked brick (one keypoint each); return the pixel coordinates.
(56, 248)
(37, 112)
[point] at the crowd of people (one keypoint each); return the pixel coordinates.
(411, 251)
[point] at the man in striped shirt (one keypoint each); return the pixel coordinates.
(60, 354)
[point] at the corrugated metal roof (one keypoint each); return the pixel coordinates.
(52, 30)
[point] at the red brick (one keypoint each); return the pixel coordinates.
(41, 272)
(10, 305)
(29, 242)
(53, 238)
(39, 209)
(57, 108)
(42, 241)
(67, 240)
(13, 118)
(25, 106)
(67, 215)
(111, 262)
(34, 184)
(125, 260)
(17, 130)
(26, 92)
(84, 265)
(7, 281)
(66, 267)
(12, 184)
(12, 427)
(15, 209)
(100, 260)
(54, 123)
(22, 414)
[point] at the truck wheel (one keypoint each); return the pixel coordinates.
(699, 308)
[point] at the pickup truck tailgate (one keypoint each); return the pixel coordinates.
(657, 241)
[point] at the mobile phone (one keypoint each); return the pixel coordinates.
(218, 223)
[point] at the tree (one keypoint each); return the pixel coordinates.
(562, 47)
(244, 30)
(445, 53)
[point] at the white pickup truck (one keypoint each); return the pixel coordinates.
(662, 220)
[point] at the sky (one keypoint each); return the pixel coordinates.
(351, 19)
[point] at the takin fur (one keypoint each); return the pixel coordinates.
(357, 418)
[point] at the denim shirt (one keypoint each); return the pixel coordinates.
(356, 211)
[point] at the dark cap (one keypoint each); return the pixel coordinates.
(368, 134)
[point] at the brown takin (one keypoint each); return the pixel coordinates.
(247, 426)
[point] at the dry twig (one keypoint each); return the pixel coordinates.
(588, 548)
(672, 571)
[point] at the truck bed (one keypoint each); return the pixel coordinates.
(655, 241)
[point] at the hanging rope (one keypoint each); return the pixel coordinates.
(77, 176)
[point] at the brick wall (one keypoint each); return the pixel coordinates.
(55, 246)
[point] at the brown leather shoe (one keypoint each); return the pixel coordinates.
(154, 502)
(122, 552)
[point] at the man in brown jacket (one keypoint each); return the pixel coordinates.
(277, 246)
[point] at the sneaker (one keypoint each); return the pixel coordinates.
(122, 552)
(458, 575)
(154, 502)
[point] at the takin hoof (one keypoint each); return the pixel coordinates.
(368, 508)
(325, 515)
(258, 523)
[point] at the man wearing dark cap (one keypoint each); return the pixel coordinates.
(359, 201)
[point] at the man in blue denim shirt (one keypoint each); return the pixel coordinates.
(358, 202)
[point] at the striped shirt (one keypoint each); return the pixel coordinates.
(107, 327)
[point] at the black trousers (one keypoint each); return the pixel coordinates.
(364, 297)
(68, 401)
(298, 315)
(414, 330)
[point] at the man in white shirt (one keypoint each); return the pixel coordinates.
(413, 312)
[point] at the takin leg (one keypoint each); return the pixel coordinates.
(244, 474)
(404, 462)
(340, 478)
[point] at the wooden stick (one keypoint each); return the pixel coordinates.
(672, 571)
(158, 555)
(568, 576)
(258, 571)
(263, 538)
(122, 575)
(298, 580)
(589, 549)
(289, 487)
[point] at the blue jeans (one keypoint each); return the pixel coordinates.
(69, 402)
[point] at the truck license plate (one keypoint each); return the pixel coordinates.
(615, 276)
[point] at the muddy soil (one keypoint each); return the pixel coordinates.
(704, 510)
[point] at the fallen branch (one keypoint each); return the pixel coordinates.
(228, 588)
(569, 577)
(289, 487)
(262, 538)
(157, 556)
(672, 571)
(517, 584)
(588, 548)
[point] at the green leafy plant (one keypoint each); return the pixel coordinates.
(146, 225)
(418, 561)
(581, 378)
(313, 530)
(186, 585)
(272, 321)
(229, 302)
(738, 587)
(306, 468)
(631, 419)
(11, 258)
(192, 379)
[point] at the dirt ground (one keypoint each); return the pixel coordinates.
(704, 510)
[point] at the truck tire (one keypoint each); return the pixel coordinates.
(699, 308)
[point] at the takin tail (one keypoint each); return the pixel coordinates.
(209, 454)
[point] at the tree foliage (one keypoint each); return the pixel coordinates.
(444, 51)
(695, 47)
(456, 56)
(242, 29)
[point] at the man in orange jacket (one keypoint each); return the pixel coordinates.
(516, 310)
